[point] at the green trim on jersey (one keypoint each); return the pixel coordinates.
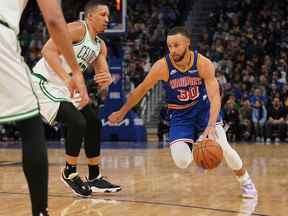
(48, 94)
(39, 76)
(83, 39)
(19, 116)
(44, 90)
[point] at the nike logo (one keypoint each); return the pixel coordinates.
(173, 72)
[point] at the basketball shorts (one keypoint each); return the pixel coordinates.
(18, 100)
(188, 125)
(50, 96)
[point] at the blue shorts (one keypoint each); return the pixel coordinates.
(188, 124)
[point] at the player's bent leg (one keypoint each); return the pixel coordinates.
(92, 144)
(234, 161)
(181, 153)
(232, 158)
(35, 162)
(76, 126)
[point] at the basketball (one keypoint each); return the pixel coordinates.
(207, 154)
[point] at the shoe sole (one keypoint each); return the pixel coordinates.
(105, 190)
(67, 185)
(249, 196)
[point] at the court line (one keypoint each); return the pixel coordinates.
(19, 163)
(146, 202)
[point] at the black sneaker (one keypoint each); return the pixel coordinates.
(78, 187)
(101, 185)
(44, 213)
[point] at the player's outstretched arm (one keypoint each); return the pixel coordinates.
(57, 28)
(156, 74)
(207, 72)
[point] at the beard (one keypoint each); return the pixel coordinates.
(180, 57)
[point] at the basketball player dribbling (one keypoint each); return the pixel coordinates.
(18, 100)
(192, 94)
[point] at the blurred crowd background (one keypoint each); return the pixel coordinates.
(246, 40)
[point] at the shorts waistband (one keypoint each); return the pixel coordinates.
(181, 106)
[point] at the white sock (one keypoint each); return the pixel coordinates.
(231, 157)
(242, 179)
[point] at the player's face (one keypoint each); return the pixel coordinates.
(99, 17)
(178, 45)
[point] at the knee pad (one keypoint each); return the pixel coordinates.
(181, 154)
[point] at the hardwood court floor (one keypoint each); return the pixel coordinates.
(153, 186)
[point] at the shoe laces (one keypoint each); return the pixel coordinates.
(103, 179)
(77, 179)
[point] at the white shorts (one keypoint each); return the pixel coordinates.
(49, 96)
(18, 101)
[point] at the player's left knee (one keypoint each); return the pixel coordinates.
(181, 154)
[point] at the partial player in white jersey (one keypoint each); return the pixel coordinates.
(19, 102)
(53, 88)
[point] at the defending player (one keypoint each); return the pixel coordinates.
(53, 87)
(192, 94)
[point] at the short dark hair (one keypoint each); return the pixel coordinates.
(179, 30)
(92, 4)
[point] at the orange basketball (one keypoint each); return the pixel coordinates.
(207, 154)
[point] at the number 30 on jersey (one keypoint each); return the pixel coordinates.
(191, 94)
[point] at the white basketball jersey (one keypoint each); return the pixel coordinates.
(11, 11)
(86, 51)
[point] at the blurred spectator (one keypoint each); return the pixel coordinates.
(258, 96)
(245, 119)
(259, 117)
(231, 117)
(9, 133)
(276, 126)
(163, 125)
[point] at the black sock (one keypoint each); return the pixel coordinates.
(35, 162)
(94, 171)
(69, 169)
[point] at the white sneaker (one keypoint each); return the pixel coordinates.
(248, 189)
(247, 207)
(277, 140)
(268, 141)
(258, 139)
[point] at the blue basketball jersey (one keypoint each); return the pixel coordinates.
(184, 89)
(187, 101)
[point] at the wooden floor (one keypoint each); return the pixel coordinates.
(153, 186)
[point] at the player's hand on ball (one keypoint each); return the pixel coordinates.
(209, 133)
(116, 117)
(103, 79)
